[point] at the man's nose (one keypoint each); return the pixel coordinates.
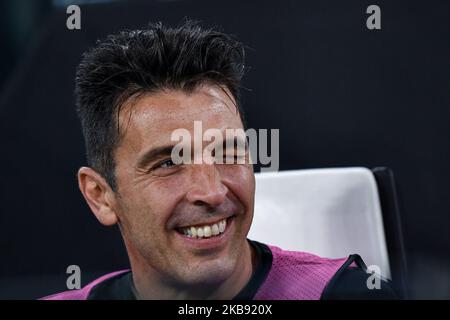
(206, 186)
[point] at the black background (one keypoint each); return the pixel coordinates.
(341, 95)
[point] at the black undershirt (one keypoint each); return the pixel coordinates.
(346, 284)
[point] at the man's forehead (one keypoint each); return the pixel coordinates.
(156, 116)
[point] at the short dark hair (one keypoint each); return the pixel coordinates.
(135, 62)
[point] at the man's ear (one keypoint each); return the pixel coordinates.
(99, 195)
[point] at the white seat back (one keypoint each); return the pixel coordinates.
(329, 212)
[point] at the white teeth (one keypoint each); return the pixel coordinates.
(205, 231)
(215, 230)
(222, 225)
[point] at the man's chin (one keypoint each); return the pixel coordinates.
(210, 272)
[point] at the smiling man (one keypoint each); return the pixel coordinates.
(184, 225)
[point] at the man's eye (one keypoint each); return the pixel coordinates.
(165, 164)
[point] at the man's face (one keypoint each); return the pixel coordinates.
(159, 201)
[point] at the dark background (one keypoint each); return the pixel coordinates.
(342, 95)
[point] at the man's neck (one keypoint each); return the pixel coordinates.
(147, 286)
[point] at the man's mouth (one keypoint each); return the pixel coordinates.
(206, 230)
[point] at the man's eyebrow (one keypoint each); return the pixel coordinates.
(153, 154)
